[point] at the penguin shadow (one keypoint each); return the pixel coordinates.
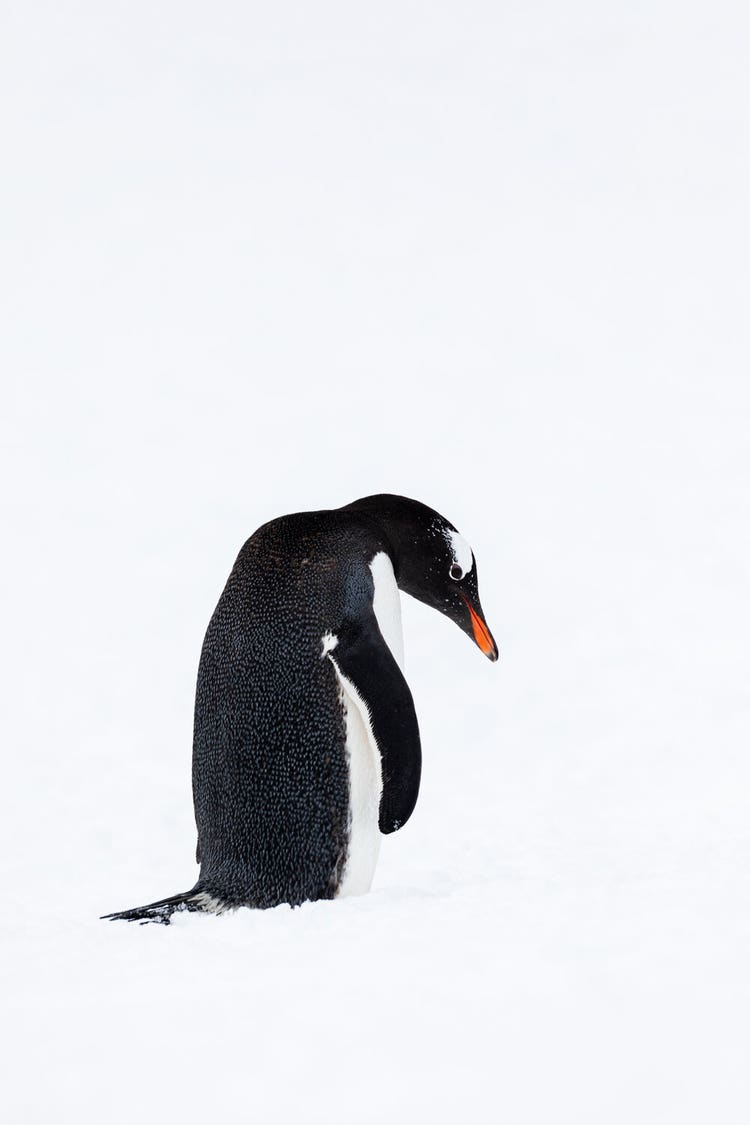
(423, 886)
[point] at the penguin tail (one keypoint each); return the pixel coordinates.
(161, 912)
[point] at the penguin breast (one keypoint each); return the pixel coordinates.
(386, 604)
(363, 756)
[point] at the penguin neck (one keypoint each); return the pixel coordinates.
(397, 520)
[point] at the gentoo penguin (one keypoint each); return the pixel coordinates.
(306, 744)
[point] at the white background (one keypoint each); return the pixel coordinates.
(259, 258)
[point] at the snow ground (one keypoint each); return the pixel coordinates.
(263, 258)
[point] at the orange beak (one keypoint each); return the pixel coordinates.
(482, 635)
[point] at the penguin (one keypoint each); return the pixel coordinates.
(306, 744)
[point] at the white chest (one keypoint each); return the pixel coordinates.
(365, 775)
(386, 603)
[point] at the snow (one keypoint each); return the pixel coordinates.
(265, 258)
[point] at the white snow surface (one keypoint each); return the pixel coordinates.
(261, 258)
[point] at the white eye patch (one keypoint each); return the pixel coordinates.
(461, 551)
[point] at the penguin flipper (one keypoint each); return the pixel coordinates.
(366, 664)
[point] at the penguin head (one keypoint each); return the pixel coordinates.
(433, 562)
(438, 568)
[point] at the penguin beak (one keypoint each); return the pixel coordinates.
(482, 635)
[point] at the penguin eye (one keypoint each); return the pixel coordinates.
(456, 573)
